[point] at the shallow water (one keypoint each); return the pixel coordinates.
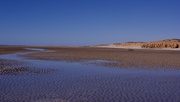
(75, 82)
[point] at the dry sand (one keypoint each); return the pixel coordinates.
(136, 58)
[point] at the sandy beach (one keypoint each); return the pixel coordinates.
(120, 57)
(126, 57)
(88, 74)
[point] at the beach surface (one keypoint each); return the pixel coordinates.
(10, 66)
(88, 74)
(118, 57)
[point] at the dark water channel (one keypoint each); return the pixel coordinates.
(76, 82)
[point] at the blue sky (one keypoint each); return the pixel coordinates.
(87, 22)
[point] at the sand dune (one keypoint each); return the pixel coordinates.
(168, 44)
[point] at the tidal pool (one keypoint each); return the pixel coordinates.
(77, 82)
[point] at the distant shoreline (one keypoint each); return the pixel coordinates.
(136, 47)
(167, 44)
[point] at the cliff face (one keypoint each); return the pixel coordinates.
(169, 43)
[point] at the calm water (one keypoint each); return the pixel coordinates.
(75, 82)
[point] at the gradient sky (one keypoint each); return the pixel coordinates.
(87, 22)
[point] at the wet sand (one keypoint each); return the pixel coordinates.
(14, 67)
(12, 49)
(123, 58)
(11, 66)
(76, 82)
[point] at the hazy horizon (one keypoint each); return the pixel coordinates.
(87, 22)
